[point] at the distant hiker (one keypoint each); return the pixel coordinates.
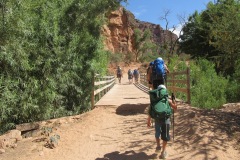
(149, 73)
(136, 75)
(160, 110)
(119, 74)
(158, 72)
(130, 76)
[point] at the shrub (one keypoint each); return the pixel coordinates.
(116, 57)
(208, 90)
(129, 57)
(233, 94)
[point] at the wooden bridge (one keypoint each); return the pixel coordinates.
(132, 93)
(124, 93)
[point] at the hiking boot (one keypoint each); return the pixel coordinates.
(158, 148)
(163, 155)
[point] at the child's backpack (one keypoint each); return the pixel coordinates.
(158, 69)
(159, 105)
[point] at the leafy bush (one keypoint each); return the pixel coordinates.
(48, 51)
(208, 90)
(233, 94)
(177, 64)
(116, 57)
(128, 58)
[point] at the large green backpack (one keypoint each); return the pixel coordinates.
(159, 105)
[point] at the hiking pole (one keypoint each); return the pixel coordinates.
(173, 98)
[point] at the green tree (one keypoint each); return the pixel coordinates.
(140, 41)
(48, 51)
(225, 26)
(212, 34)
(195, 40)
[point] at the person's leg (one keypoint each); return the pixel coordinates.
(158, 142)
(157, 134)
(165, 137)
(164, 145)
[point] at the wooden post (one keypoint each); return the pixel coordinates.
(92, 95)
(109, 86)
(173, 83)
(100, 86)
(144, 79)
(188, 86)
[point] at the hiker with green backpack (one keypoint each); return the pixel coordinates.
(161, 108)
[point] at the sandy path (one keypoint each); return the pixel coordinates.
(119, 132)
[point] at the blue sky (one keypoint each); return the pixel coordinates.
(152, 10)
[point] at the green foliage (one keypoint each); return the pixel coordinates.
(116, 57)
(128, 58)
(48, 51)
(223, 30)
(208, 90)
(177, 64)
(233, 94)
(212, 34)
(195, 40)
(148, 56)
(142, 43)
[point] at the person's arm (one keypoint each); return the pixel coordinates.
(173, 105)
(166, 68)
(149, 121)
(149, 73)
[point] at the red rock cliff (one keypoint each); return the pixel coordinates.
(119, 32)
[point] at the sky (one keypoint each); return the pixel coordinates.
(152, 10)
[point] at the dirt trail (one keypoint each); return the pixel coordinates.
(119, 132)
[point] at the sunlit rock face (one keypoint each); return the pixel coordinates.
(119, 32)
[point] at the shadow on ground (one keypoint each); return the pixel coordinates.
(206, 130)
(128, 155)
(131, 109)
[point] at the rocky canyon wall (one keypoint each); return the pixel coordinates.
(119, 31)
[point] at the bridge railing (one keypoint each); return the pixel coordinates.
(102, 84)
(176, 82)
(180, 82)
